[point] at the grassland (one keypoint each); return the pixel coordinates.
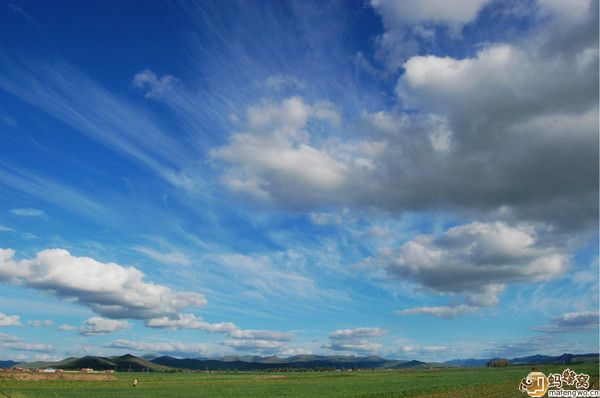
(441, 383)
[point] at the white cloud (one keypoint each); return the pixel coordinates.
(321, 218)
(254, 345)
(172, 348)
(289, 352)
(413, 12)
(476, 259)
(66, 328)
(362, 346)
(36, 323)
(175, 258)
(190, 321)
(7, 338)
(406, 22)
(572, 322)
(98, 326)
(343, 334)
(445, 82)
(261, 335)
(9, 320)
(455, 150)
(355, 340)
(277, 148)
(424, 349)
(270, 160)
(28, 212)
(47, 357)
(259, 340)
(24, 346)
(13, 343)
(289, 116)
(446, 312)
(109, 289)
(152, 85)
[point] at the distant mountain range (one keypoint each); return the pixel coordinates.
(295, 362)
(166, 363)
(7, 364)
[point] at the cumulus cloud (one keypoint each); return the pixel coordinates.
(174, 257)
(413, 12)
(428, 349)
(37, 323)
(344, 334)
(254, 344)
(190, 321)
(322, 218)
(445, 312)
(265, 341)
(456, 85)
(409, 21)
(288, 352)
(66, 328)
(109, 289)
(24, 346)
(476, 259)
(7, 338)
(9, 320)
(152, 85)
(276, 149)
(171, 348)
(355, 340)
(28, 212)
(261, 335)
(361, 346)
(545, 88)
(572, 322)
(97, 326)
(456, 149)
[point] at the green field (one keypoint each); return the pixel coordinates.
(476, 382)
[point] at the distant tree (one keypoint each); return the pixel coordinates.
(497, 363)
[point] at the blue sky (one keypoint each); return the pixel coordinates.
(411, 179)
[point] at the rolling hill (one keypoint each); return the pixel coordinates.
(122, 364)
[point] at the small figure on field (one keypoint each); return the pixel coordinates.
(135, 382)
